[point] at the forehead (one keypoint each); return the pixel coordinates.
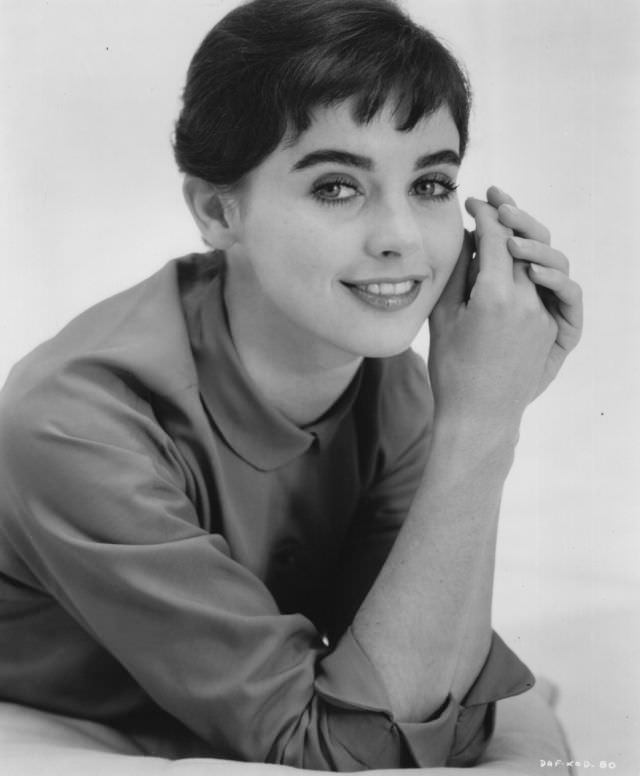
(334, 126)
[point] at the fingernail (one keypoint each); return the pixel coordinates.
(510, 209)
(520, 243)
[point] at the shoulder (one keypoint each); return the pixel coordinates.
(138, 338)
(104, 376)
(140, 331)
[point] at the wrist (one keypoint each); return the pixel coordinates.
(474, 439)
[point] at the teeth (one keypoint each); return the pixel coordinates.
(388, 289)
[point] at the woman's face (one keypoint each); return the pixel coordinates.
(346, 237)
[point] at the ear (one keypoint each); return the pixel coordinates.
(210, 210)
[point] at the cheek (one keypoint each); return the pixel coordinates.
(305, 248)
(448, 243)
(454, 249)
(287, 252)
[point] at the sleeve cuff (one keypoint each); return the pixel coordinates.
(347, 678)
(430, 742)
(459, 732)
(502, 676)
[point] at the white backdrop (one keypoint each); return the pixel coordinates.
(91, 203)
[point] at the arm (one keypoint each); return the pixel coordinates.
(490, 355)
(143, 602)
(98, 514)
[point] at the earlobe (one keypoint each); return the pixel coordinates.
(209, 211)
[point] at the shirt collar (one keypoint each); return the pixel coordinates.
(257, 432)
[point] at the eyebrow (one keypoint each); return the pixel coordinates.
(335, 156)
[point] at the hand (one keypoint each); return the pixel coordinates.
(496, 348)
(549, 270)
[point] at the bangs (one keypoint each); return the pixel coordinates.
(258, 76)
(411, 74)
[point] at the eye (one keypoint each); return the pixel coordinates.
(335, 191)
(434, 187)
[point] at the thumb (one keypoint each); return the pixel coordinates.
(459, 284)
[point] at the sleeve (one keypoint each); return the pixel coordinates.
(459, 733)
(100, 517)
(95, 506)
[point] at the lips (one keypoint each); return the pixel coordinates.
(386, 294)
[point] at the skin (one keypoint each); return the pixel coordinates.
(302, 333)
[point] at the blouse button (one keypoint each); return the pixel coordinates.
(286, 554)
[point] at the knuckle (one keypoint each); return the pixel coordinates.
(489, 218)
(494, 240)
(550, 323)
(563, 263)
(506, 211)
(532, 307)
(576, 289)
(492, 296)
(545, 324)
(491, 214)
(531, 312)
(536, 249)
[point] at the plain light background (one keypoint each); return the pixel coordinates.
(91, 203)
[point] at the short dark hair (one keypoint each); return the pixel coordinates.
(267, 64)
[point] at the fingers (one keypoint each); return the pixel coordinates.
(497, 197)
(549, 269)
(513, 217)
(501, 224)
(538, 252)
(568, 310)
(526, 286)
(567, 291)
(456, 289)
(495, 262)
(523, 224)
(521, 274)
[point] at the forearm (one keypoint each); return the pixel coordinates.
(414, 621)
(475, 633)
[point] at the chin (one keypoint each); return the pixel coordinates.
(384, 347)
(389, 337)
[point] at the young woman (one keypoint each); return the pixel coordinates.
(239, 518)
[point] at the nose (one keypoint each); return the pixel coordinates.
(393, 230)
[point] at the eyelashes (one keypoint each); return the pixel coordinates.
(336, 190)
(341, 190)
(439, 186)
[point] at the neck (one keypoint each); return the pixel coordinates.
(296, 374)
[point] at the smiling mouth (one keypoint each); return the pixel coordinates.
(386, 295)
(387, 289)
